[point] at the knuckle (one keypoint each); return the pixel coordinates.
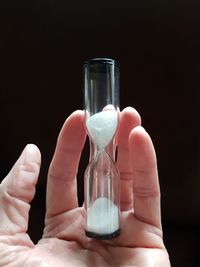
(144, 192)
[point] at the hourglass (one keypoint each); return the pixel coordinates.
(101, 185)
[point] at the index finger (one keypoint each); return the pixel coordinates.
(61, 184)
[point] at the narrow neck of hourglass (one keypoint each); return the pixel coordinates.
(110, 149)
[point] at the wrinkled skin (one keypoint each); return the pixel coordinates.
(64, 243)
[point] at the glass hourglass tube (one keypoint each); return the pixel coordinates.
(101, 185)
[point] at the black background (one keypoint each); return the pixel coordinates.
(42, 48)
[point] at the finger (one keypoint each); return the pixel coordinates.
(20, 182)
(146, 190)
(61, 185)
(18, 189)
(129, 118)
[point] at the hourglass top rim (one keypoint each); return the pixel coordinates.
(100, 60)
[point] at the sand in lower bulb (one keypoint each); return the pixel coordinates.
(103, 219)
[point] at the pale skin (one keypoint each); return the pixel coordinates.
(64, 243)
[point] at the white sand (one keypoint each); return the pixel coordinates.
(102, 127)
(103, 217)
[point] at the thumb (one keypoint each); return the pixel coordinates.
(20, 182)
(18, 189)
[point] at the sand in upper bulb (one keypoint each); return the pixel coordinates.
(102, 127)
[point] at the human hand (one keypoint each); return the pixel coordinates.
(64, 243)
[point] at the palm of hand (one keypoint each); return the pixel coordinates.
(64, 243)
(69, 247)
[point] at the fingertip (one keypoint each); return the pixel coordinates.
(141, 148)
(32, 149)
(129, 119)
(76, 119)
(129, 115)
(129, 108)
(32, 154)
(77, 113)
(138, 133)
(73, 123)
(73, 131)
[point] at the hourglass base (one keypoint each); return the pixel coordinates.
(103, 236)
